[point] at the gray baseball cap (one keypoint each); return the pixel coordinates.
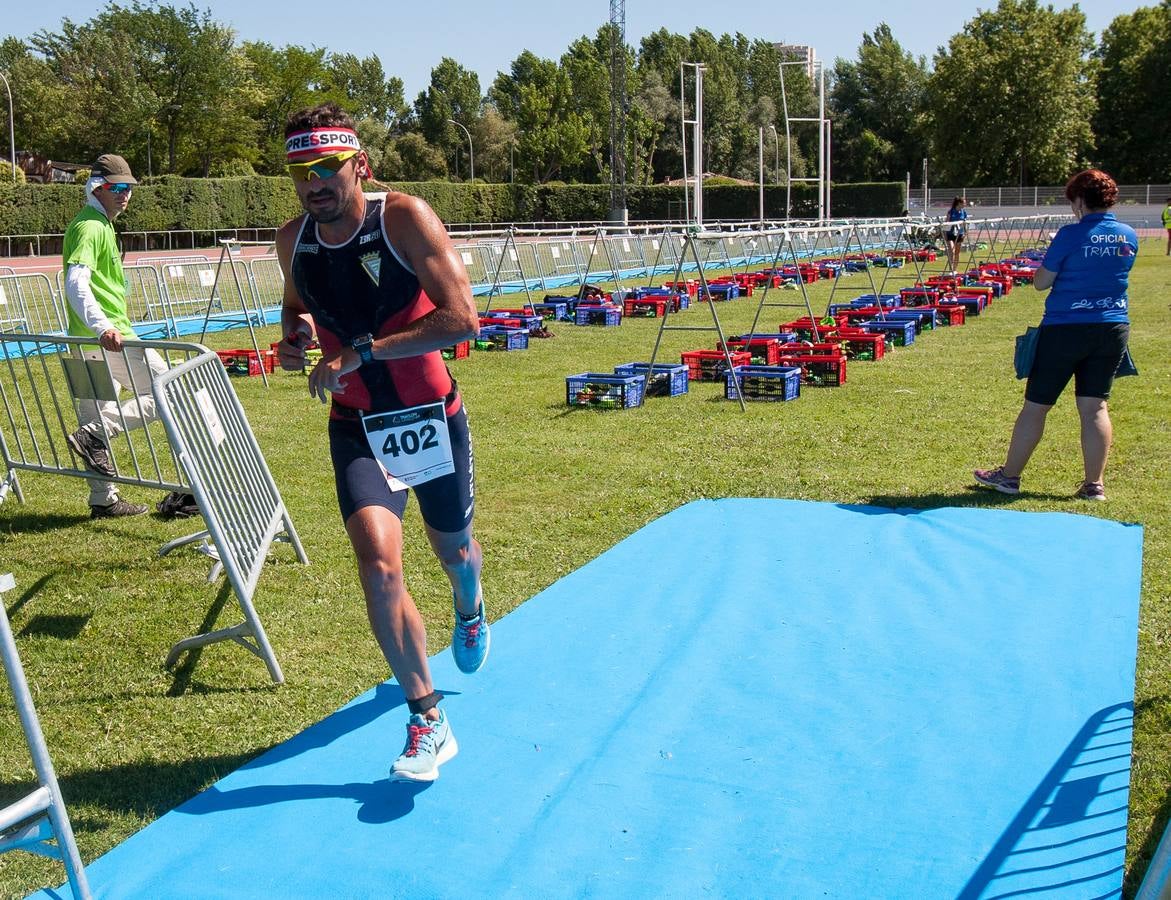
(114, 169)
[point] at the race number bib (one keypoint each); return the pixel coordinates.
(412, 445)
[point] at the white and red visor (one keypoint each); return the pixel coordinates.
(320, 142)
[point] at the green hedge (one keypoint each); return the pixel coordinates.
(171, 203)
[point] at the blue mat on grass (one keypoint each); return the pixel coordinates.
(744, 698)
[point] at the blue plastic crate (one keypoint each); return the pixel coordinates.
(775, 383)
(558, 310)
(669, 379)
(925, 318)
(888, 300)
(598, 315)
(902, 331)
(785, 337)
(493, 337)
(604, 391)
(723, 291)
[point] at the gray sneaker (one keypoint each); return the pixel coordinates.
(116, 510)
(92, 450)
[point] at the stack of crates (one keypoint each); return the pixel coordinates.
(689, 286)
(775, 383)
(920, 296)
(668, 380)
(533, 324)
(710, 365)
(496, 337)
(604, 391)
(819, 367)
(249, 362)
(597, 314)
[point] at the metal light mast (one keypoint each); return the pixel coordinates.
(618, 111)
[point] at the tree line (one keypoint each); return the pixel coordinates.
(1024, 93)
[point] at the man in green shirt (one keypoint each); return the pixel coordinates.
(1167, 223)
(96, 289)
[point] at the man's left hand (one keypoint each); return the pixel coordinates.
(326, 377)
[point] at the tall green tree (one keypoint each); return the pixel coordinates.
(1133, 120)
(187, 68)
(454, 93)
(536, 95)
(364, 88)
(877, 107)
(1012, 97)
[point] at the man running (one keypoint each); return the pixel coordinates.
(375, 279)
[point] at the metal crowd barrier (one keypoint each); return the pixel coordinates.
(37, 823)
(167, 295)
(43, 377)
(29, 304)
(233, 487)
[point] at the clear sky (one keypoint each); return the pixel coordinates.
(410, 38)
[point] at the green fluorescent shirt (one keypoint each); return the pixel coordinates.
(90, 242)
(1167, 217)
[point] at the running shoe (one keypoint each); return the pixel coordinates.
(116, 510)
(996, 479)
(92, 450)
(1091, 490)
(470, 640)
(429, 745)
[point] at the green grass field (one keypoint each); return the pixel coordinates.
(95, 609)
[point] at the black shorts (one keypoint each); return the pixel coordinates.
(1089, 354)
(955, 234)
(446, 502)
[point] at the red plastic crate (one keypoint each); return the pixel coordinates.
(457, 351)
(710, 365)
(949, 313)
(764, 351)
(247, 362)
(690, 286)
(861, 345)
(647, 307)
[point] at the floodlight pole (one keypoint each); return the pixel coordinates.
(11, 128)
(471, 151)
(777, 155)
(760, 162)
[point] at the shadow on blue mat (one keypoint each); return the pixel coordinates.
(380, 801)
(354, 715)
(1072, 829)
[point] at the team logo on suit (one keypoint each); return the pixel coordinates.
(372, 262)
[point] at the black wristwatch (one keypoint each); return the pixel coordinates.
(364, 345)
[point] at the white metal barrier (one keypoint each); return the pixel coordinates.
(37, 823)
(43, 376)
(235, 491)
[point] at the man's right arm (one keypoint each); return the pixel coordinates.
(296, 320)
(84, 303)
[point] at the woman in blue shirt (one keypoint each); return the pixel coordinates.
(1083, 332)
(953, 237)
